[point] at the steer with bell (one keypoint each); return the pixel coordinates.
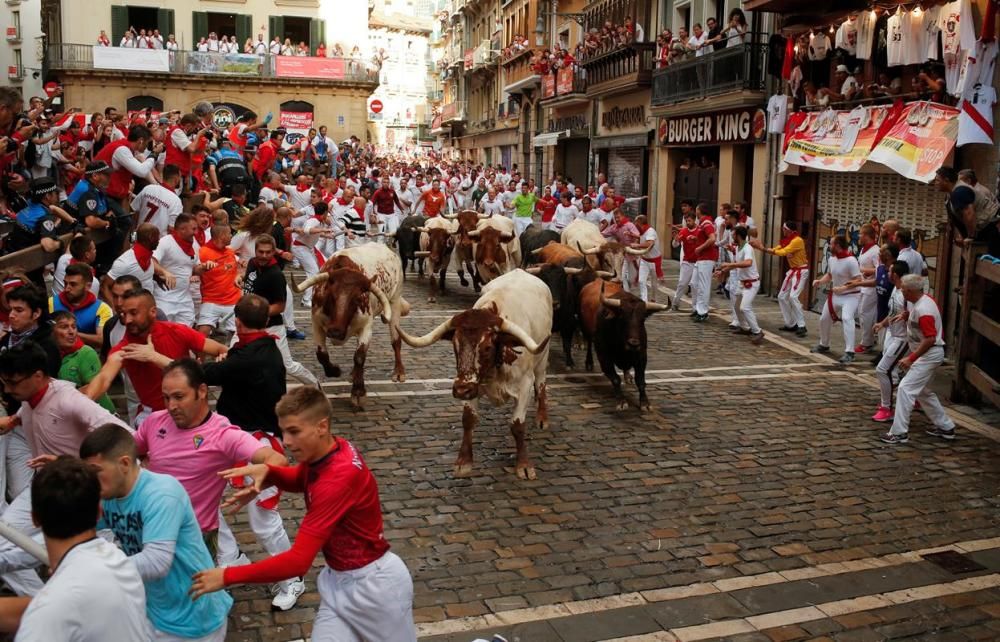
(501, 352)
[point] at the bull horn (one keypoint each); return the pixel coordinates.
(391, 234)
(656, 307)
(590, 252)
(483, 217)
(384, 300)
(506, 237)
(632, 250)
(431, 337)
(474, 234)
(518, 333)
(604, 274)
(610, 303)
(450, 217)
(572, 270)
(533, 270)
(537, 251)
(315, 279)
(421, 254)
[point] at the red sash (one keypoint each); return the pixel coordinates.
(787, 284)
(658, 263)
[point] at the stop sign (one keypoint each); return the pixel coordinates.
(51, 88)
(376, 106)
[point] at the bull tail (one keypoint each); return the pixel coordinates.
(404, 307)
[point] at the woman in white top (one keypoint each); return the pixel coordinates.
(736, 33)
(286, 49)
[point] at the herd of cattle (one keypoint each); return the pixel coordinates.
(569, 282)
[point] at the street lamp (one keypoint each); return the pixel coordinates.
(579, 18)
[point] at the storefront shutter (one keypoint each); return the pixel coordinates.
(119, 23)
(244, 28)
(199, 27)
(317, 34)
(276, 25)
(165, 22)
(625, 172)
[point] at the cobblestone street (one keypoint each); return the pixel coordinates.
(754, 502)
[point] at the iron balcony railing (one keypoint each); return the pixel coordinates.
(740, 67)
(65, 56)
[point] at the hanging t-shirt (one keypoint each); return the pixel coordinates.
(978, 67)
(880, 53)
(957, 30)
(895, 40)
(777, 114)
(865, 34)
(975, 120)
(775, 55)
(819, 45)
(915, 38)
(932, 25)
(847, 36)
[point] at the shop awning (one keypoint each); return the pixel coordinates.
(548, 139)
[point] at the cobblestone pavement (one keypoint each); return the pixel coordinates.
(754, 462)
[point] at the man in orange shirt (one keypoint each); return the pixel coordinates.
(219, 292)
(433, 199)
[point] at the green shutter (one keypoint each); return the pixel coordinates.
(244, 28)
(119, 23)
(317, 34)
(277, 26)
(199, 27)
(165, 22)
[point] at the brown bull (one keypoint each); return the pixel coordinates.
(556, 254)
(491, 255)
(465, 247)
(437, 242)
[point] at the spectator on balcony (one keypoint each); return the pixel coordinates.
(338, 50)
(103, 40)
(275, 47)
(286, 48)
(302, 50)
(714, 34)
(680, 48)
(202, 46)
(846, 86)
(698, 39)
(145, 40)
(321, 50)
(248, 46)
(157, 39)
(662, 50)
(213, 42)
(736, 33)
(634, 29)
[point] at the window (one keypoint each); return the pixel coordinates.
(17, 62)
(15, 21)
(682, 18)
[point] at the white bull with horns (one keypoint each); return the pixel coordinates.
(501, 352)
(602, 253)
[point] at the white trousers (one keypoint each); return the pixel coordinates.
(647, 273)
(744, 305)
(182, 313)
(685, 279)
(307, 260)
(218, 635)
(788, 297)
(734, 287)
(388, 223)
(703, 290)
(521, 223)
(371, 604)
(288, 314)
(292, 367)
(846, 308)
(630, 273)
(892, 352)
(16, 566)
(867, 310)
(915, 387)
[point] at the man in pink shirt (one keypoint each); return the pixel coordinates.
(191, 443)
(54, 418)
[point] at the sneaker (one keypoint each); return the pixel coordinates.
(241, 560)
(734, 327)
(943, 434)
(890, 438)
(882, 415)
(819, 348)
(758, 338)
(847, 358)
(288, 595)
(296, 334)
(787, 328)
(701, 318)
(694, 313)
(801, 332)
(861, 349)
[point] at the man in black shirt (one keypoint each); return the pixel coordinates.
(29, 322)
(265, 278)
(715, 34)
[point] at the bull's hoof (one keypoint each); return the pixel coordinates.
(644, 406)
(331, 371)
(477, 288)
(464, 281)
(622, 404)
(628, 377)
(356, 401)
(463, 469)
(543, 424)
(398, 377)
(526, 471)
(589, 366)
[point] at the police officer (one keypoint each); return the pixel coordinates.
(227, 169)
(42, 221)
(94, 212)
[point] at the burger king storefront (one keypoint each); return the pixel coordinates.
(712, 157)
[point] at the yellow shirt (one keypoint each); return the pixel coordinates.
(795, 252)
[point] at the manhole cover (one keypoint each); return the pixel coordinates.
(954, 562)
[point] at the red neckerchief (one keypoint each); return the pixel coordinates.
(606, 201)
(37, 397)
(743, 218)
(320, 217)
(360, 211)
(785, 240)
(342, 202)
(143, 256)
(88, 299)
(75, 347)
(842, 254)
(104, 41)
(199, 236)
(186, 246)
(302, 188)
(249, 337)
(865, 248)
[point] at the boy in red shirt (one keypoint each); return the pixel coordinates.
(366, 592)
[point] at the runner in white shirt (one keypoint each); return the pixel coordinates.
(304, 245)
(95, 592)
(747, 281)
(181, 263)
(842, 300)
(407, 195)
(273, 190)
(924, 331)
(508, 200)
(895, 345)
(492, 204)
(565, 214)
(300, 195)
(147, 238)
(650, 263)
(159, 204)
(868, 261)
(81, 250)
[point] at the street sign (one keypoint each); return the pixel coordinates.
(51, 88)
(376, 106)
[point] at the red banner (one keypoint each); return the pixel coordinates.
(295, 119)
(837, 141)
(468, 58)
(548, 85)
(308, 67)
(564, 81)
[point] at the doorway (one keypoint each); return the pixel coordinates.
(296, 29)
(697, 184)
(143, 18)
(223, 24)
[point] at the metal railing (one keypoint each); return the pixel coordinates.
(728, 69)
(636, 59)
(66, 56)
(453, 111)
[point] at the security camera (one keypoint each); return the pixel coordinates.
(36, 75)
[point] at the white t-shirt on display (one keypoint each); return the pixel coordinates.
(915, 39)
(819, 45)
(866, 34)
(777, 114)
(895, 47)
(975, 120)
(847, 36)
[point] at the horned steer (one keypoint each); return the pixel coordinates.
(437, 242)
(533, 238)
(501, 352)
(354, 286)
(464, 256)
(498, 250)
(615, 321)
(602, 253)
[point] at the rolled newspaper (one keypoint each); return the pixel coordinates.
(24, 542)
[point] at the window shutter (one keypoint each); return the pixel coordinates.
(244, 29)
(277, 26)
(199, 27)
(165, 22)
(317, 34)
(119, 23)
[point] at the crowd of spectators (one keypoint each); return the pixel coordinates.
(700, 41)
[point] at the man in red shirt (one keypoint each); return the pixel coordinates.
(366, 592)
(267, 154)
(707, 255)
(146, 349)
(387, 206)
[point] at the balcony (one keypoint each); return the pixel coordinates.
(115, 60)
(625, 69)
(518, 72)
(453, 112)
(726, 70)
(565, 86)
(15, 72)
(13, 34)
(435, 96)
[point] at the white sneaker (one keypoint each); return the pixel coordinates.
(288, 595)
(241, 560)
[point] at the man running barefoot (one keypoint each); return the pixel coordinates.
(366, 593)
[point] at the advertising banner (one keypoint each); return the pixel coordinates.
(745, 125)
(920, 140)
(308, 67)
(564, 81)
(548, 85)
(837, 141)
(129, 59)
(217, 63)
(295, 119)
